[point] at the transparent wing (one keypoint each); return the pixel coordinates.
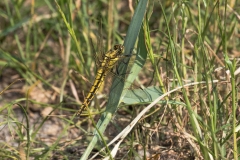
(94, 53)
(146, 96)
(100, 47)
(97, 47)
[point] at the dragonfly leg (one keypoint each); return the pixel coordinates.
(126, 56)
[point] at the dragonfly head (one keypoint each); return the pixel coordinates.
(119, 48)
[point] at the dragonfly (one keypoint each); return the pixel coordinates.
(109, 60)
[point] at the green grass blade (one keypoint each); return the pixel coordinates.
(71, 31)
(118, 85)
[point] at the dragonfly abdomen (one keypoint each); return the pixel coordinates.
(96, 85)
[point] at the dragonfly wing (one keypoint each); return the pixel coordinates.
(146, 95)
(94, 53)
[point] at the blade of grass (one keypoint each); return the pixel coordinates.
(118, 85)
(192, 114)
(232, 68)
(71, 31)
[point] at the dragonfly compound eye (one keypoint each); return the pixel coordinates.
(119, 47)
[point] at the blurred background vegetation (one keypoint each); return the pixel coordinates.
(45, 74)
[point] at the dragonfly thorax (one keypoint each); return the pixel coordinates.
(116, 52)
